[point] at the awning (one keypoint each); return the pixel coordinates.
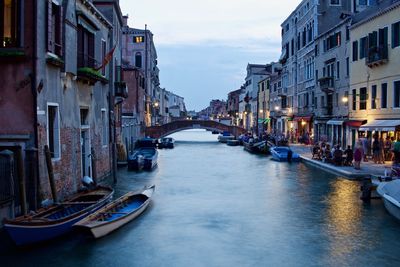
(336, 121)
(381, 125)
(302, 118)
(354, 123)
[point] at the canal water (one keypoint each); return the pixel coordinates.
(216, 205)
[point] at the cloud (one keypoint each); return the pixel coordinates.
(204, 45)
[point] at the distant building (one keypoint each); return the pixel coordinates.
(233, 105)
(138, 50)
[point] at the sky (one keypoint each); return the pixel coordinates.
(204, 46)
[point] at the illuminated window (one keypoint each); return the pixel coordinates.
(138, 39)
(8, 23)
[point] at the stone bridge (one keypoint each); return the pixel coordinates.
(176, 126)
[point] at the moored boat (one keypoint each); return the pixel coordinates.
(233, 142)
(150, 156)
(280, 153)
(390, 193)
(225, 136)
(56, 220)
(117, 213)
(166, 142)
(261, 147)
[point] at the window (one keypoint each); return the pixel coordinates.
(335, 2)
(9, 23)
(396, 34)
(54, 28)
(105, 126)
(292, 47)
(333, 41)
(363, 98)
(347, 67)
(396, 89)
(316, 102)
(138, 39)
(347, 33)
(355, 50)
(322, 101)
(138, 60)
(363, 47)
(338, 69)
(85, 48)
(354, 99)
(384, 95)
(53, 130)
(373, 97)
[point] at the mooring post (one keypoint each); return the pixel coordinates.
(366, 189)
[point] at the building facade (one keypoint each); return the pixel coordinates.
(374, 95)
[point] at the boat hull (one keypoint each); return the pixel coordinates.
(101, 228)
(392, 206)
(27, 232)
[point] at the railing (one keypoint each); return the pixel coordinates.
(327, 84)
(85, 60)
(376, 56)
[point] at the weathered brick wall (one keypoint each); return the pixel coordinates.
(67, 170)
(102, 157)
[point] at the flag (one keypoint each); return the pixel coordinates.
(107, 58)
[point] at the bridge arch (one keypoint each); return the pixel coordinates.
(181, 125)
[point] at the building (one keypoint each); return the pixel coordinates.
(248, 97)
(263, 105)
(138, 50)
(374, 94)
(233, 105)
(73, 107)
(18, 135)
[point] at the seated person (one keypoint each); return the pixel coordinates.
(349, 156)
(338, 156)
(316, 152)
(328, 154)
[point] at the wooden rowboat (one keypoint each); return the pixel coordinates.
(48, 223)
(117, 213)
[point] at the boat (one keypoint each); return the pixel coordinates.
(144, 156)
(280, 153)
(390, 193)
(166, 142)
(225, 136)
(261, 147)
(56, 220)
(233, 142)
(215, 132)
(117, 213)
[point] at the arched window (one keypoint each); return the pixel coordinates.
(138, 60)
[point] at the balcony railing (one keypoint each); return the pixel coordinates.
(85, 60)
(327, 84)
(376, 56)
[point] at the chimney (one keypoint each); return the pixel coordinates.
(125, 20)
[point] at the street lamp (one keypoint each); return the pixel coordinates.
(276, 108)
(345, 99)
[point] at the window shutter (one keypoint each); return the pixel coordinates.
(91, 50)
(49, 25)
(61, 27)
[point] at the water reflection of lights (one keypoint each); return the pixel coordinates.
(343, 218)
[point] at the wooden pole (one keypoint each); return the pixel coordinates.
(21, 176)
(94, 166)
(50, 172)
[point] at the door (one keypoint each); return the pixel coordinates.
(85, 153)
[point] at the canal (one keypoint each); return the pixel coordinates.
(216, 205)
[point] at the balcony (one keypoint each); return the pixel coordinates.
(327, 84)
(121, 89)
(327, 110)
(376, 56)
(86, 70)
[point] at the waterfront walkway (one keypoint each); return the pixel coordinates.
(368, 169)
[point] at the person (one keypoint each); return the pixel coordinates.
(396, 151)
(338, 156)
(387, 147)
(358, 155)
(375, 150)
(328, 154)
(364, 143)
(381, 150)
(349, 156)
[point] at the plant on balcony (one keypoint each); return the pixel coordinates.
(56, 61)
(92, 75)
(12, 53)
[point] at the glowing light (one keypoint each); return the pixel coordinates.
(345, 99)
(303, 123)
(276, 108)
